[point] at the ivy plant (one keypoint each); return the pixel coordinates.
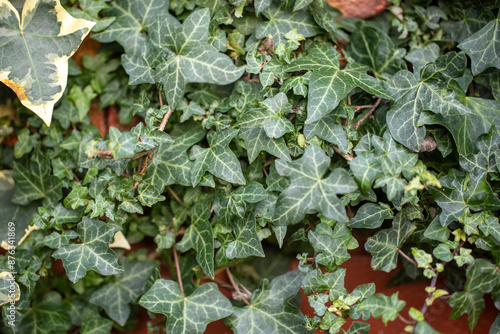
(235, 136)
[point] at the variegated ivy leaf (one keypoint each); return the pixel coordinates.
(191, 58)
(133, 18)
(383, 306)
(328, 84)
(430, 93)
(385, 244)
(271, 118)
(483, 47)
(116, 296)
(269, 311)
(171, 163)
(34, 53)
(309, 191)
(200, 237)
(186, 314)
(218, 159)
(9, 290)
(93, 253)
(482, 278)
(282, 20)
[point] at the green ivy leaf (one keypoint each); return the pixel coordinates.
(470, 17)
(34, 181)
(483, 47)
(219, 160)
(46, 316)
(270, 311)
(192, 59)
(186, 314)
(247, 242)
(371, 216)
(115, 297)
(256, 141)
(316, 281)
(482, 277)
(200, 237)
(171, 163)
(132, 19)
(34, 53)
(383, 306)
(282, 20)
(9, 289)
(373, 48)
(329, 84)
(92, 254)
(93, 323)
(331, 246)
(270, 118)
(308, 191)
(431, 93)
(327, 128)
(384, 245)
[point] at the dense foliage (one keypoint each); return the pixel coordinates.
(258, 131)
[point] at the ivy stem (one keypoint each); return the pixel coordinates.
(178, 269)
(235, 286)
(429, 295)
(149, 154)
(368, 114)
(174, 195)
(348, 157)
(407, 257)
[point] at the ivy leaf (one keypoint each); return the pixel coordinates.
(261, 5)
(46, 316)
(35, 181)
(385, 244)
(282, 20)
(247, 242)
(328, 84)
(327, 129)
(218, 159)
(171, 163)
(34, 53)
(330, 246)
(271, 117)
(308, 191)
(115, 297)
(383, 306)
(373, 48)
(316, 281)
(189, 314)
(431, 93)
(9, 290)
(200, 237)
(470, 17)
(192, 59)
(371, 216)
(132, 18)
(93, 323)
(482, 277)
(467, 128)
(141, 68)
(483, 47)
(92, 254)
(270, 311)
(256, 141)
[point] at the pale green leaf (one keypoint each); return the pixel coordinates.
(383, 306)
